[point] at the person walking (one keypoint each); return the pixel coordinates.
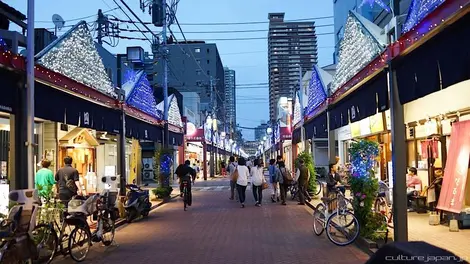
(303, 181)
(44, 180)
(68, 181)
(242, 180)
(232, 166)
(281, 174)
(257, 177)
(273, 178)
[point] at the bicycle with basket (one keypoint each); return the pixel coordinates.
(336, 216)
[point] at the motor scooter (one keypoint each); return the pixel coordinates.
(137, 202)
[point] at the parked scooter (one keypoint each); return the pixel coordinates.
(137, 202)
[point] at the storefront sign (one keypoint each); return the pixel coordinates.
(365, 126)
(355, 130)
(453, 192)
(196, 135)
(376, 123)
(286, 133)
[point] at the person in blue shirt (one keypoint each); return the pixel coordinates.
(273, 180)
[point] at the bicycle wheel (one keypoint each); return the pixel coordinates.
(185, 198)
(318, 189)
(46, 241)
(108, 230)
(79, 243)
(339, 229)
(319, 219)
(293, 192)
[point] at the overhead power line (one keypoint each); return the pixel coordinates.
(234, 23)
(224, 39)
(225, 31)
(78, 18)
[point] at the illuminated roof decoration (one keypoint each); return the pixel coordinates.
(362, 42)
(297, 112)
(378, 2)
(419, 9)
(174, 115)
(74, 55)
(3, 44)
(139, 93)
(317, 89)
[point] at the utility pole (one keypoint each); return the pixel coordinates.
(166, 137)
(30, 93)
(101, 22)
(212, 165)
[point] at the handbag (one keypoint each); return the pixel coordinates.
(264, 186)
(235, 175)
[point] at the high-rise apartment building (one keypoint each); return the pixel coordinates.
(290, 45)
(230, 98)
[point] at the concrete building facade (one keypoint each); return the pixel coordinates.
(290, 45)
(190, 68)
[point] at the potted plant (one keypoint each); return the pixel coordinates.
(162, 192)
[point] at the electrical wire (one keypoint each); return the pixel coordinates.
(78, 18)
(237, 23)
(224, 31)
(122, 10)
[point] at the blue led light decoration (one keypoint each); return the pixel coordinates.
(165, 168)
(419, 9)
(3, 44)
(316, 92)
(363, 154)
(139, 93)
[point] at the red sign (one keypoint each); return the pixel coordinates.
(452, 195)
(196, 135)
(286, 133)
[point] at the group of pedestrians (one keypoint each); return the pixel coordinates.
(281, 179)
(239, 173)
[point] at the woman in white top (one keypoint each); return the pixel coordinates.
(242, 180)
(257, 177)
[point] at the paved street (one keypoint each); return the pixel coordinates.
(216, 230)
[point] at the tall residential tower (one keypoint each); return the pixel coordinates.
(230, 98)
(290, 45)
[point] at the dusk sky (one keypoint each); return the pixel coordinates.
(248, 57)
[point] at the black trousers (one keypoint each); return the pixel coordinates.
(188, 187)
(258, 193)
(283, 189)
(241, 193)
(301, 192)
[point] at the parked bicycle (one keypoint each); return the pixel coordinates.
(383, 204)
(336, 216)
(16, 242)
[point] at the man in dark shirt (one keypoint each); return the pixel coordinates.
(333, 179)
(185, 172)
(68, 173)
(303, 181)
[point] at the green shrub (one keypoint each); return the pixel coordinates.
(308, 161)
(162, 192)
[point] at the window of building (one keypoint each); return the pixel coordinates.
(208, 72)
(197, 50)
(208, 51)
(198, 72)
(198, 61)
(208, 61)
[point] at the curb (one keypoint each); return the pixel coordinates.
(122, 222)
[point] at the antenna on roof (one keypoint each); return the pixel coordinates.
(58, 21)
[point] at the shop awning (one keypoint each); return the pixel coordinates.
(9, 90)
(361, 103)
(176, 139)
(317, 127)
(444, 58)
(59, 106)
(296, 135)
(142, 130)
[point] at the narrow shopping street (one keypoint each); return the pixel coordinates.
(216, 230)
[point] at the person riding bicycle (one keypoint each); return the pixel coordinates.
(185, 172)
(333, 180)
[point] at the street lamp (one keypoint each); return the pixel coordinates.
(269, 131)
(209, 123)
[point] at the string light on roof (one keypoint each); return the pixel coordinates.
(357, 49)
(141, 96)
(316, 92)
(378, 2)
(174, 115)
(419, 9)
(297, 114)
(75, 56)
